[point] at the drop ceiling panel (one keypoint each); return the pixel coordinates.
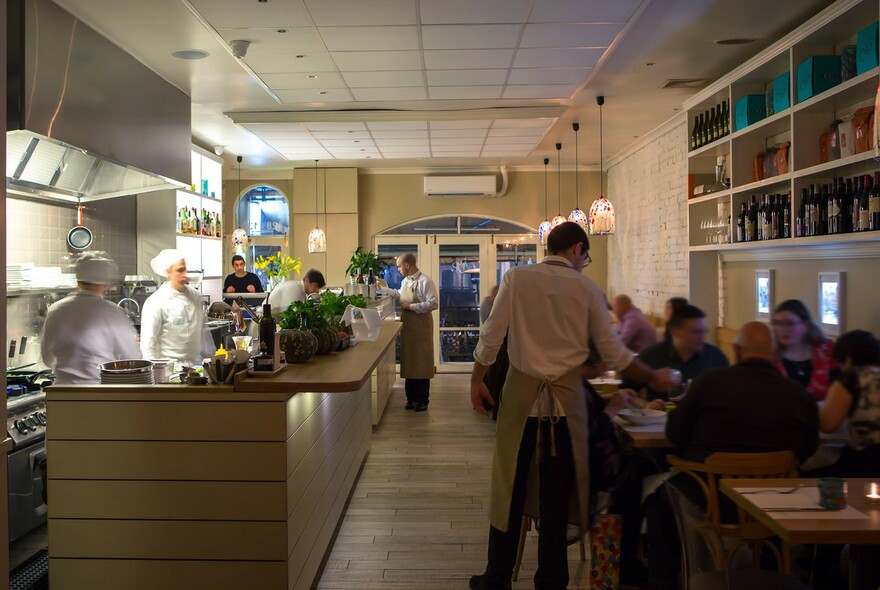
(548, 75)
(282, 135)
(394, 79)
(401, 134)
(456, 154)
(522, 123)
(583, 11)
(389, 94)
(466, 77)
(322, 135)
(464, 92)
(327, 13)
(470, 36)
(570, 35)
(331, 95)
(287, 129)
(435, 133)
(289, 62)
(474, 59)
(348, 126)
(510, 147)
(505, 153)
(293, 143)
(466, 124)
(374, 61)
(405, 155)
(541, 91)
(469, 11)
(352, 143)
(401, 143)
(557, 58)
(228, 14)
(515, 132)
(302, 81)
(370, 38)
(457, 141)
(269, 41)
(396, 125)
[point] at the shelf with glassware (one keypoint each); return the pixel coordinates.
(776, 151)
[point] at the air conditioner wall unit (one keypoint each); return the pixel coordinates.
(460, 187)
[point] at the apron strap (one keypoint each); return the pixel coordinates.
(548, 409)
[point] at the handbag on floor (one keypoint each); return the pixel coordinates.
(605, 552)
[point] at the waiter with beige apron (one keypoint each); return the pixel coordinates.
(418, 298)
(549, 311)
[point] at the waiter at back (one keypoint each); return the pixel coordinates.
(418, 298)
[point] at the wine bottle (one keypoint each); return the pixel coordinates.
(705, 133)
(874, 204)
(695, 134)
(853, 203)
(264, 361)
(823, 211)
(801, 217)
(864, 204)
(726, 117)
(786, 216)
(267, 330)
(845, 205)
(752, 225)
(741, 223)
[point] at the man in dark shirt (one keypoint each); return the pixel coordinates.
(748, 408)
(687, 351)
(241, 281)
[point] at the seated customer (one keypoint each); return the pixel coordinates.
(635, 331)
(289, 291)
(672, 304)
(687, 350)
(241, 281)
(804, 351)
(747, 408)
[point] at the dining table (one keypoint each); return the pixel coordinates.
(789, 508)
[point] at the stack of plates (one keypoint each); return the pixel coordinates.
(15, 275)
(127, 372)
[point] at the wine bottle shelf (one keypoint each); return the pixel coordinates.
(834, 164)
(719, 147)
(868, 236)
(198, 236)
(767, 182)
(709, 197)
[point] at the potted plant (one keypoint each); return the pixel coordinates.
(277, 268)
(362, 262)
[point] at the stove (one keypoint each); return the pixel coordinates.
(26, 418)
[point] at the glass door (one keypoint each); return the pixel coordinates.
(460, 260)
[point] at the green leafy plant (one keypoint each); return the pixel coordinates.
(292, 317)
(363, 261)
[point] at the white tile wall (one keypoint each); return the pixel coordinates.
(648, 255)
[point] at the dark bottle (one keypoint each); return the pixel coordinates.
(823, 211)
(267, 330)
(705, 131)
(864, 205)
(801, 217)
(713, 118)
(752, 225)
(874, 204)
(725, 117)
(774, 218)
(263, 361)
(832, 208)
(853, 202)
(695, 133)
(814, 211)
(719, 127)
(786, 216)
(846, 205)
(741, 223)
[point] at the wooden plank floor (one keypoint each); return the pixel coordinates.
(418, 515)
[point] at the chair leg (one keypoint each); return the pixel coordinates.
(523, 531)
(583, 549)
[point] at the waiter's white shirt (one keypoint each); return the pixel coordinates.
(550, 313)
(173, 326)
(83, 331)
(286, 293)
(424, 289)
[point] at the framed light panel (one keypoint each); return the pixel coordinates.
(831, 303)
(764, 295)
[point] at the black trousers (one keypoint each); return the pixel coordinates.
(417, 390)
(557, 479)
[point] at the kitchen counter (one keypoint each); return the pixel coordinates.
(222, 487)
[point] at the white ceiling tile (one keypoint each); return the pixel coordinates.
(335, 126)
(268, 41)
(315, 61)
(389, 94)
(541, 91)
(470, 36)
(354, 152)
(370, 38)
(548, 75)
(375, 61)
(352, 143)
(466, 77)
(469, 11)
(570, 35)
(509, 147)
(487, 154)
(468, 59)
(516, 132)
(396, 125)
(230, 14)
(557, 58)
(456, 141)
(465, 124)
(458, 133)
(323, 135)
(291, 143)
(456, 154)
(513, 139)
(303, 151)
(400, 134)
(464, 92)
(405, 155)
(401, 144)
(288, 129)
(396, 79)
(301, 81)
(362, 12)
(517, 123)
(583, 11)
(330, 95)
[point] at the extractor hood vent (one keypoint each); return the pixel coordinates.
(84, 118)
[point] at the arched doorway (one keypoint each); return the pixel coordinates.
(458, 251)
(263, 211)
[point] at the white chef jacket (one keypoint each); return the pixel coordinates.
(173, 326)
(550, 313)
(425, 291)
(286, 293)
(83, 331)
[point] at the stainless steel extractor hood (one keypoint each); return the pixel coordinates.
(85, 119)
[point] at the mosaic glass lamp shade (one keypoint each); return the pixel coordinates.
(317, 241)
(601, 217)
(579, 217)
(544, 231)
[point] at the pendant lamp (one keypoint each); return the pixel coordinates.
(239, 235)
(577, 216)
(601, 211)
(545, 227)
(317, 238)
(559, 218)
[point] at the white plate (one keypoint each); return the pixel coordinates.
(641, 417)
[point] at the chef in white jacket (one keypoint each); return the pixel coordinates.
(172, 320)
(82, 330)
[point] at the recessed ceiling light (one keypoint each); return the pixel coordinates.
(735, 41)
(281, 31)
(313, 76)
(356, 140)
(651, 63)
(262, 1)
(300, 56)
(322, 92)
(351, 131)
(190, 54)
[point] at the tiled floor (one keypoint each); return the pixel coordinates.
(21, 549)
(418, 515)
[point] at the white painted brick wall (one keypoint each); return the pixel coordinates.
(648, 255)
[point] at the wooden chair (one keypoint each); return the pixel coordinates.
(745, 531)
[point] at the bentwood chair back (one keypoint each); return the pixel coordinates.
(743, 528)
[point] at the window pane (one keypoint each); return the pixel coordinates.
(513, 253)
(263, 211)
(459, 285)
(457, 346)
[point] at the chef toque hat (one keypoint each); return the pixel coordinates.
(96, 267)
(164, 260)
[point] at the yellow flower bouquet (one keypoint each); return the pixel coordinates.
(277, 268)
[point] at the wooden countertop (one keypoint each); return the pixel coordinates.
(336, 372)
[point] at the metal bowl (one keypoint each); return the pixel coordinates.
(127, 366)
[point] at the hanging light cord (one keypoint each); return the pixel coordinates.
(577, 190)
(601, 101)
(316, 193)
(546, 205)
(325, 204)
(559, 178)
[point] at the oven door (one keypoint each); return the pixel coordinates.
(27, 510)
